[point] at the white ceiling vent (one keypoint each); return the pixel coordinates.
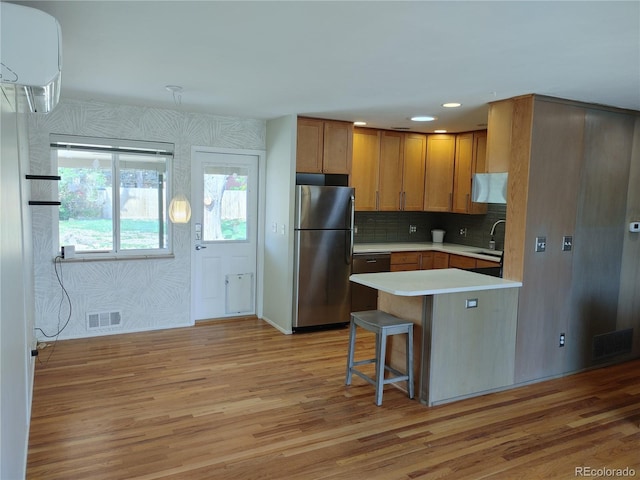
(103, 320)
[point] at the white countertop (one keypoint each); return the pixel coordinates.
(475, 252)
(431, 282)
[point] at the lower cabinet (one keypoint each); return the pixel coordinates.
(429, 260)
(404, 261)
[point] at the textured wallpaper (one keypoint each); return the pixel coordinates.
(150, 293)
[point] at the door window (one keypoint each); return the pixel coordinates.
(225, 203)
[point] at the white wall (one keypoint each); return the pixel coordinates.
(278, 246)
(150, 294)
(16, 300)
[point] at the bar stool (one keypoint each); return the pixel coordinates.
(383, 325)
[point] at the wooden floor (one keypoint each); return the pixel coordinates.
(236, 399)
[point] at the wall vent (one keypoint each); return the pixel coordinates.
(103, 320)
(613, 343)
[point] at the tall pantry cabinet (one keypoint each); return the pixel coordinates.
(569, 166)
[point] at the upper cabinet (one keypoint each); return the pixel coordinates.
(451, 162)
(438, 182)
(470, 158)
(388, 170)
(365, 168)
(400, 171)
(390, 184)
(324, 146)
(415, 151)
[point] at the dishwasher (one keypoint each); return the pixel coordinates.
(362, 297)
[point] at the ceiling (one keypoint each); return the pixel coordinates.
(376, 61)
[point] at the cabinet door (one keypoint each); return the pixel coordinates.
(438, 184)
(338, 147)
(309, 145)
(462, 173)
(391, 152)
(440, 260)
(426, 261)
(479, 166)
(365, 168)
(415, 149)
(405, 261)
(461, 261)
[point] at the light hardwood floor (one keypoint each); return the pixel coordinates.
(236, 399)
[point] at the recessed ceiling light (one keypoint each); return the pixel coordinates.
(422, 118)
(439, 131)
(359, 124)
(451, 105)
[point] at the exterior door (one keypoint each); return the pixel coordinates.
(224, 233)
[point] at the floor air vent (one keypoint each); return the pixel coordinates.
(103, 320)
(612, 343)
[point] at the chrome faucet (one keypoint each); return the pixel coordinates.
(492, 242)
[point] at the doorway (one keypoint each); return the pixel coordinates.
(224, 232)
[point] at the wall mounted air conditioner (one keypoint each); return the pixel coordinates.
(31, 54)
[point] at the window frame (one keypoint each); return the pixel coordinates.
(117, 147)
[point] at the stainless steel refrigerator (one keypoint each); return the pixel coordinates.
(323, 231)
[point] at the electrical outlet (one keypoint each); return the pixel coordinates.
(413, 228)
(567, 243)
(541, 244)
(463, 232)
(561, 342)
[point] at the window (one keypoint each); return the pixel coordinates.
(225, 203)
(113, 195)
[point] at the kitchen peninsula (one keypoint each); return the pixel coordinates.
(465, 326)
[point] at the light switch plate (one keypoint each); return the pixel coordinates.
(634, 227)
(541, 244)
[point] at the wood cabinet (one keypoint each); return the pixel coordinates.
(390, 184)
(365, 168)
(404, 261)
(470, 158)
(388, 170)
(415, 152)
(450, 164)
(461, 261)
(464, 262)
(324, 146)
(438, 182)
(429, 260)
(440, 260)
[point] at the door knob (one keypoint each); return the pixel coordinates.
(200, 247)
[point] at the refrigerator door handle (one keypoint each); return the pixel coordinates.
(352, 206)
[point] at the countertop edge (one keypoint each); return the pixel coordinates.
(494, 284)
(454, 248)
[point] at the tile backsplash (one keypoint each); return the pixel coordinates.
(387, 227)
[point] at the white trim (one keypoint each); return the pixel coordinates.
(277, 327)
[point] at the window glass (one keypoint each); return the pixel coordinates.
(85, 200)
(142, 203)
(225, 204)
(112, 201)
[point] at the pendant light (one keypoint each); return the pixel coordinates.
(179, 209)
